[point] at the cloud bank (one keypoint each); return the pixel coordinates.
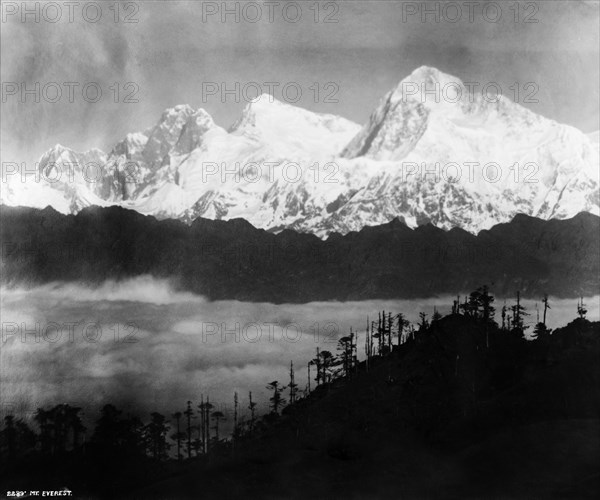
(144, 346)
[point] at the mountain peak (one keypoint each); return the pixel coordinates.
(424, 73)
(177, 116)
(58, 150)
(424, 78)
(179, 131)
(287, 127)
(178, 109)
(266, 100)
(346, 177)
(264, 106)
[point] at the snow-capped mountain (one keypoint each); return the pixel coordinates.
(430, 152)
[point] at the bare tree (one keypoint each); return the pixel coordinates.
(581, 309)
(189, 413)
(235, 417)
(178, 435)
(518, 312)
(205, 408)
(293, 387)
(546, 307)
(252, 408)
(368, 345)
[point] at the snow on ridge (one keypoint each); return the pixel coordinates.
(284, 166)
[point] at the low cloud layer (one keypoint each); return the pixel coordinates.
(144, 346)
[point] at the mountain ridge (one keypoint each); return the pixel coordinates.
(467, 161)
(234, 260)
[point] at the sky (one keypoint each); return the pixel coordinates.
(174, 50)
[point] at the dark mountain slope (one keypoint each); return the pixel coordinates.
(462, 410)
(517, 420)
(233, 260)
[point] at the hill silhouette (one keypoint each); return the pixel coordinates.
(234, 260)
(461, 409)
(443, 417)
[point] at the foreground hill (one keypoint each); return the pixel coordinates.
(442, 417)
(462, 409)
(234, 260)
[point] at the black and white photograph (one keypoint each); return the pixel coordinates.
(300, 249)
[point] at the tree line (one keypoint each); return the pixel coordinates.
(197, 429)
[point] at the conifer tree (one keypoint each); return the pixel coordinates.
(424, 324)
(517, 317)
(178, 435)
(277, 401)
(474, 303)
(205, 408)
(115, 435)
(455, 304)
(235, 417)
(156, 432)
(346, 346)
(326, 361)
(367, 346)
(217, 416)
(402, 324)
(293, 387)
(189, 414)
(317, 362)
(202, 426)
(252, 408)
(465, 308)
(581, 309)
(540, 330)
(379, 335)
(486, 300)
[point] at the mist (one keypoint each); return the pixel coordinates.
(143, 346)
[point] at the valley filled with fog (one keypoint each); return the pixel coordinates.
(145, 347)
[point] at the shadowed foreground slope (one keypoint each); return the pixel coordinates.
(442, 417)
(462, 409)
